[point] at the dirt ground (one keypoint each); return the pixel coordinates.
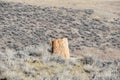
(107, 8)
(102, 8)
(107, 5)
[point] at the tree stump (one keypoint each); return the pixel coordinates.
(60, 47)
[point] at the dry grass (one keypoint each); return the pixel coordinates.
(21, 65)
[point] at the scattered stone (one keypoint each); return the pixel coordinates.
(24, 25)
(23, 29)
(89, 11)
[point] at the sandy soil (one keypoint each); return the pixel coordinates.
(100, 29)
(26, 33)
(108, 5)
(108, 8)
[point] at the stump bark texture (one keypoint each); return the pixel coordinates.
(60, 47)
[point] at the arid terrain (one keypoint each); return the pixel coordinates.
(27, 28)
(107, 8)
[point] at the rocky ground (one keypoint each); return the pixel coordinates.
(26, 33)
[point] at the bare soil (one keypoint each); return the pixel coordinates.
(27, 29)
(102, 21)
(106, 8)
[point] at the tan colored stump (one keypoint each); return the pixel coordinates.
(60, 46)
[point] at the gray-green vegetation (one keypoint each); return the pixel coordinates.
(26, 32)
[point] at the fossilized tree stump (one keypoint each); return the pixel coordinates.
(60, 47)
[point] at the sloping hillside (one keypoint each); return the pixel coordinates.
(26, 32)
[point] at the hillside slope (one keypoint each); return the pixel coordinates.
(26, 32)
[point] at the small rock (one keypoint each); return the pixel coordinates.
(89, 11)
